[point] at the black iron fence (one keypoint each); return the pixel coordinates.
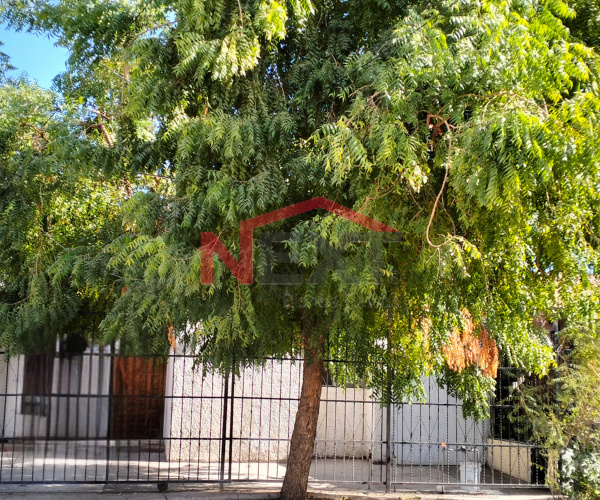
(99, 417)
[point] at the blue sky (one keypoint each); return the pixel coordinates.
(33, 54)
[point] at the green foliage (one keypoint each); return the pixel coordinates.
(565, 418)
(4, 64)
(470, 126)
(585, 25)
(581, 470)
(54, 215)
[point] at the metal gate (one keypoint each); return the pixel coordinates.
(72, 427)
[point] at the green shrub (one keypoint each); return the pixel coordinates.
(581, 473)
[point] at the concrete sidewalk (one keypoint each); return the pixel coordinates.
(253, 491)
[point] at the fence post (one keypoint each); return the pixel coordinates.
(388, 442)
(231, 427)
(224, 431)
(388, 415)
(109, 428)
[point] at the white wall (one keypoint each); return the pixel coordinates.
(510, 458)
(352, 424)
(265, 406)
(78, 402)
(349, 423)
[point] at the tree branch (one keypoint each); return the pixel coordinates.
(437, 200)
(39, 130)
(99, 126)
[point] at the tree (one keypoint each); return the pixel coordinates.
(4, 64)
(51, 204)
(469, 126)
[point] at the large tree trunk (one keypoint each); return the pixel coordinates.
(305, 428)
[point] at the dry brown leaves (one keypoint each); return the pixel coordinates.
(472, 346)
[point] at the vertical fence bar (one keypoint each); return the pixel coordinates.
(230, 458)
(110, 408)
(3, 438)
(224, 430)
(388, 437)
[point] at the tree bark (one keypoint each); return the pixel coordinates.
(302, 444)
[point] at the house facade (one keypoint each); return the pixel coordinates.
(99, 395)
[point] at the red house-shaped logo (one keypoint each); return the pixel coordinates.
(243, 270)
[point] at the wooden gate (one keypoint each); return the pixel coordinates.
(138, 398)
